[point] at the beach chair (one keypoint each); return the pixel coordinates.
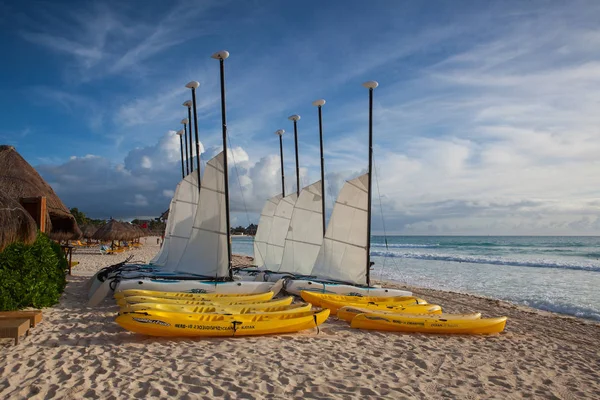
(104, 249)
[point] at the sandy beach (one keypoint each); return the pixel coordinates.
(79, 352)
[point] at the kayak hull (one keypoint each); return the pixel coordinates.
(157, 323)
(193, 296)
(223, 309)
(318, 299)
(192, 286)
(347, 313)
(386, 322)
(231, 301)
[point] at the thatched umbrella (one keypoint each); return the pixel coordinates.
(132, 231)
(18, 179)
(141, 232)
(15, 223)
(113, 230)
(88, 230)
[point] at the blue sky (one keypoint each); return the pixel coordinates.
(486, 117)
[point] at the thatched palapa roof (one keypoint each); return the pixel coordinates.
(113, 230)
(15, 223)
(18, 179)
(88, 230)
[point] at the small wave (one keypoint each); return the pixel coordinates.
(568, 309)
(488, 260)
(406, 245)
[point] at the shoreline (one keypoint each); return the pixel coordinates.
(441, 293)
(79, 351)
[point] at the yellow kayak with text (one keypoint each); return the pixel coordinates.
(160, 323)
(416, 324)
(194, 296)
(166, 300)
(230, 309)
(409, 307)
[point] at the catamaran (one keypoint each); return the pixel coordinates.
(337, 261)
(205, 263)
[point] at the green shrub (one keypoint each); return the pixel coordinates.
(32, 275)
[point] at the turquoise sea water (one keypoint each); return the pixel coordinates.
(560, 273)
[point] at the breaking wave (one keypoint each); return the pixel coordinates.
(489, 260)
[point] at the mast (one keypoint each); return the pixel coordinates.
(319, 104)
(180, 134)
(296, 118)
(187, 158)
(370, 85)
(188, 104)
(194, 85)
(280, 133)
(221, 56)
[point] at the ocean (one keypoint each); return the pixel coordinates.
(552, 273)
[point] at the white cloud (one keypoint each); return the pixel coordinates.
(144, 183)
(140, 201)
(484, 124)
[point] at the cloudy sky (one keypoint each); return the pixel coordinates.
(486, 119)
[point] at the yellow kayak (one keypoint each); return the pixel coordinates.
(159, 323)
(284, 301)
(319, 299)
(395, 323)
(400, 307)
(193, 296)
(347, 313)
(230, 309)
(166, 300)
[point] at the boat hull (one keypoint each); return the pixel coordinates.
(165, 300)
(347, 313)
(267, 307)
(157, 323)
(192, 286)
(318, 299)
(385, 322)
(296, 286)
(194, 296)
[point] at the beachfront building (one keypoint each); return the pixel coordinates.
(21, 184)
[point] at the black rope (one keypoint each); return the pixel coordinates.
(316, 325)
(104, 272)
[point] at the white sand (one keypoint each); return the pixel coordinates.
(79, 352)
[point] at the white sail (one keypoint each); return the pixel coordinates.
(161, 256)
(279, 227)
(343, 254)
(305, 232)
(264, 229)
(181, 218)
(206, 252)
